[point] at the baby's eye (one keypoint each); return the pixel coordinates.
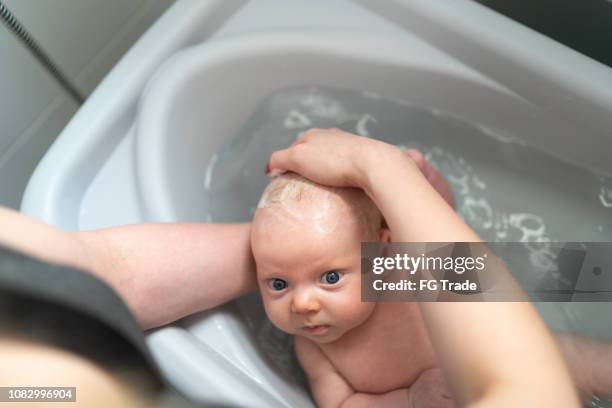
(277, 284)
(331, 277)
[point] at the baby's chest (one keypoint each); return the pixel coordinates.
(381, 360)
(376, 370)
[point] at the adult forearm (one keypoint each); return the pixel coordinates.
(412, 207)
(165, 271)
(40, 240)
(161, 271)
(50, 244)
(531, 362)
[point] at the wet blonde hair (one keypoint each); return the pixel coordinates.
(293, 188)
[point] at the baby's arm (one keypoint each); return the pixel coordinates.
(328, 387)
(331, 390)
(162, 271)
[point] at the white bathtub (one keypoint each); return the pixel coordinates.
(139, 147)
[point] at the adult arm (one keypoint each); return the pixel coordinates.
(163, 271)
(485, 361)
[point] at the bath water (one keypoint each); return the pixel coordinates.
(504, 188)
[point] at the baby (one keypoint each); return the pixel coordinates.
(306, 244)
(306, 240)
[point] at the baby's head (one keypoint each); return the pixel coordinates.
(306, 243)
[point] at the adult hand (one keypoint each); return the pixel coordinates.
(337, 158)
(333, 157)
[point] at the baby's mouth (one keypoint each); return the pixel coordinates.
(316, 329)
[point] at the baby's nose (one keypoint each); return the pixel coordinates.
(305, 302)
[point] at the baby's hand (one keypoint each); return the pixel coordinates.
(430, 391)
(335, 158)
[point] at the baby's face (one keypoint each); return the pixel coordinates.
(309, 274)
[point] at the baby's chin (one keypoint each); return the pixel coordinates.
(333, 334)
(327, 338)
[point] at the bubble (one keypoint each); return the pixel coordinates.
(478, 182)
(296, 119)
(529, 232)
(209, 171)
(501, 221)
(500, 136)
(605, 196)
(478, 212)
(361, 127)
(319, 105)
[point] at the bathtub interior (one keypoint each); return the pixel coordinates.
(209, 90)
(211, 116)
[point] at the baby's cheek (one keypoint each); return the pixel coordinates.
(354, 312)
(278, 314)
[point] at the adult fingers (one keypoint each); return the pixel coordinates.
(307, 135)
(417, 157)
(289, 159)
(285, 160)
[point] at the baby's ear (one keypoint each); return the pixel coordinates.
(384, 235)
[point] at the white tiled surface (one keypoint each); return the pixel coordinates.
(33, 110)
(73, 32)
(85, 38)
(25, 89)
(18, 161)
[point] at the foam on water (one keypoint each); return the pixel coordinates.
(505, 189)
(605, 196)
(296, 119)
(209, 171)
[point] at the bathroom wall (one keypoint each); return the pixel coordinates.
(84, 38)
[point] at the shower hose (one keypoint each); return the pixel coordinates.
(22, 34)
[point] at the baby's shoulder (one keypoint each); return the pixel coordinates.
(303, 345)
(312, 359)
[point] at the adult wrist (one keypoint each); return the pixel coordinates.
(384, 161)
